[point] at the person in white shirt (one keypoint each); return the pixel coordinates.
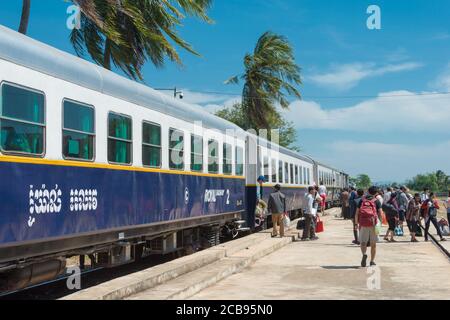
(309, 233)
(425, 195)
(323, 195)
(387, 195)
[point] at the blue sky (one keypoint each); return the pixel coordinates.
(390, 138)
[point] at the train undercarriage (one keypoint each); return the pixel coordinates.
(24, 273)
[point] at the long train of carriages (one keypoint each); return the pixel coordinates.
(93, 164)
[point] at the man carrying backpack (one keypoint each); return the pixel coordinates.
(431, 216)
(367, 215)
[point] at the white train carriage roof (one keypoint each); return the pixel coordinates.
(27, 52)
(284, 150)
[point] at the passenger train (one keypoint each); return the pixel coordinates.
(93, 164)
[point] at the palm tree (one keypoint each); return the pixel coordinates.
(270, 75)
(127, 33)
(24, 19)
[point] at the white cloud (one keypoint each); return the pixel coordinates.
(407, 112)
(441, 36)
(200, 98)
(214, 107)
(211, 102)
(443, 81)
(394, 162)
(347, 76)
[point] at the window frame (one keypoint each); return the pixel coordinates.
(152, 145)
(266, 168)
(291, 174)
(44, 126)
(274, 170)
(170, 150)
(237, 164)
(119, 139)
(194, 136)
(224, 148)
(286, 172)
(280, 170)
(94, 135)
(217, 157)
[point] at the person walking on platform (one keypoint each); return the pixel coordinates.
(367, 215)
(447, 206)
(277, 207)
(323, 196)
(387, 195)
(424, 196)
(402, 205)
(345, 196)
(390, 208)
(413, 216)
(356, 201)
(431, 216)
(351, 202)
(310, 214)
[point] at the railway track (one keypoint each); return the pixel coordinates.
(57, 288)
(437, 244)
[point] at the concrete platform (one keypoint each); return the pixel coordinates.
(181, 278)
(330, 269)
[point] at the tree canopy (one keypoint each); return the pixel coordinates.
(270, 76)
(127, 33)
(287, 134)
(362, 181)
(437, 181)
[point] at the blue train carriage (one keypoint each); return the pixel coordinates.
(94, 164)
(335, 180)
(278, 165)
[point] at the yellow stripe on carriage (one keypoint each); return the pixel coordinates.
(282, 186)
(93, 165)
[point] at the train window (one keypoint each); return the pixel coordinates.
(196, 153)
(227, 159)
(280, 171)
(292, 173)
(309, 176)
(176, 149)
(266, 168)
(151, 144)
(296, 174)
(305, 181)
(22, 120)
(78, 131)
(213, 156)
(119, 138)
(301, 175)
(239, 161)
(286, 172)
(274, 170)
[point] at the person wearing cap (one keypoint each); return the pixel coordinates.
(260, 188)
(277, 207)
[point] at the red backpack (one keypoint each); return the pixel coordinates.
(368, 213)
